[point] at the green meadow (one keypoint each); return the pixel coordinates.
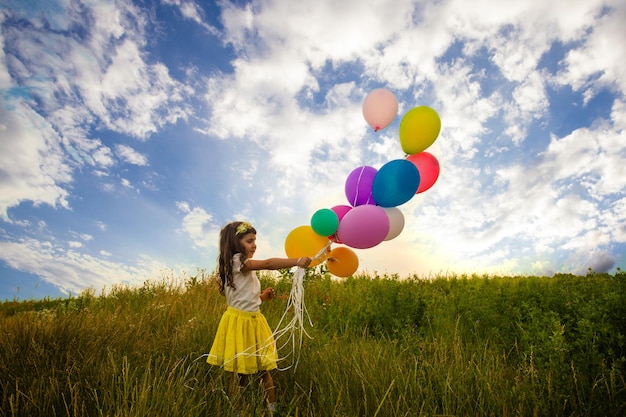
(379, 346)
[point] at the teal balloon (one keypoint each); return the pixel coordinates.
(395, 183)
(324, 222)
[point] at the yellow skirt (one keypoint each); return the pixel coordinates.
(243, 343)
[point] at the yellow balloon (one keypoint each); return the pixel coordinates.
(342, 262)
(419, 129)
(303, 241)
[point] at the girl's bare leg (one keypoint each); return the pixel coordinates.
(233, 385)
(268, 384)
(240, 380)
(236, 382)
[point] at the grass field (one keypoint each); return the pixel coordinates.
(380, 346)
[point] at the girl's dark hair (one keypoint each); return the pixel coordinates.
(230, 245)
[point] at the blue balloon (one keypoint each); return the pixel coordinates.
(395, 183)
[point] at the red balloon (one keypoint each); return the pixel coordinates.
(428, 166)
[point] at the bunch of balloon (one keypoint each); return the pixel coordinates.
(374, 194)
(372, 215)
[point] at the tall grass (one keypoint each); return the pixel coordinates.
(381, 346)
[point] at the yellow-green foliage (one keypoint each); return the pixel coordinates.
(381, 346)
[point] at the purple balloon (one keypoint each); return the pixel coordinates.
(359, 186)
(363, 227)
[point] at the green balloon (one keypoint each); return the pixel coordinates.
(324, 222)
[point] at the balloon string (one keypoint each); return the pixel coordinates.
(294, 329)
(358, 181)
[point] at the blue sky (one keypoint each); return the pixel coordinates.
(130, 132)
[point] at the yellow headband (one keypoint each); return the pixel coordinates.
(243, 228)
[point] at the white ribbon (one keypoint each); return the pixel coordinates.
(294, 329)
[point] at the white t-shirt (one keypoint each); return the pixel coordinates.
(247, 293)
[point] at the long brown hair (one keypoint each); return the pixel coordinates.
(230, 245)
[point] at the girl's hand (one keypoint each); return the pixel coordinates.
(267, 294)
(303, 262)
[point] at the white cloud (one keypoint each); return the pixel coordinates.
(102, 156)
(126, 183)
(104, 81)
(192, 11)
(5, 77)
(32, 161)
(136, 102)
(597, 63)
(73, 271)
(82, 236)
(131, 156)
(108, 187)
(529, 103)
(199, 225)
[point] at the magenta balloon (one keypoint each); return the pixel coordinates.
(359, 186)
(363, 227)
(341, 210)
(428, 166)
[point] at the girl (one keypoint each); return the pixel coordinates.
(244, 344)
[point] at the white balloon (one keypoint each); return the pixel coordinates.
(396, 222)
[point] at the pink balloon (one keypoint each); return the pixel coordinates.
(359, 185)
(363, 227)
(428, 166)
(396, 222)
(341, 210)
(380, 107)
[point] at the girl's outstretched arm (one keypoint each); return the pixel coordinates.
(275, 263)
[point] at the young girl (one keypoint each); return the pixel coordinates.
(244, 344)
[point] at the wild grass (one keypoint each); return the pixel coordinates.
(381, 346)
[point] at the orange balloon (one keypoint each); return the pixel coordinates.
(303, 241)
(342, 262)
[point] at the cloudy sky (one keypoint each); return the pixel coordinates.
(130, 132)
